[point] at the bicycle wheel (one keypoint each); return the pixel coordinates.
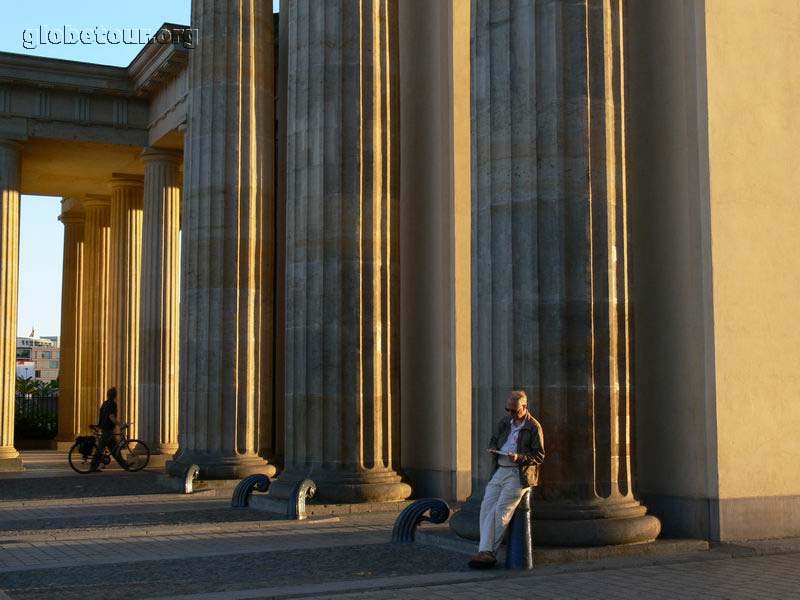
(80, 463)
(133, 455)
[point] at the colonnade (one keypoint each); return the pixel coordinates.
(106, 288)
(549, 297)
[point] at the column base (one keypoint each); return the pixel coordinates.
(168, 449)
(345, 487)
(599, 523)
(217, 466)
(10, 461)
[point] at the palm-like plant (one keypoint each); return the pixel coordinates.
(26, 386)
(46, 388)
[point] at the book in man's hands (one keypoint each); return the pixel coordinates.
(493, 451)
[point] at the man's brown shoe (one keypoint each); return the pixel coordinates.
(483, 560)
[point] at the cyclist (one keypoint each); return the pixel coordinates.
(108, 422)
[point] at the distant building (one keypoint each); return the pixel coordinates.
(38, 357)
(25, 368)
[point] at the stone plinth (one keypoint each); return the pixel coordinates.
(227, 244)
(94, 322)
(124, 277)
(158, 345)
(550, 261)
(10, 173)
(342, 252)
(69, 373)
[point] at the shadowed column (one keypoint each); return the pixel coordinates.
(125, 278)
(550, 259)
(158, 346)
(227, 244)
(342, 250)
(94, 322)
(10, 459)
(69, 373)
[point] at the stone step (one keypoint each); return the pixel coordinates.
(443, 537)
(157, 530)
(274, 505)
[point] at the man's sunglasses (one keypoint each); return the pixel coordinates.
(513, 409)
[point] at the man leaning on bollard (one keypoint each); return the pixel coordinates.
(517, 448)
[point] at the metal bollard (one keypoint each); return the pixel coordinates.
(405, 526)
(296, 508)
(241, 495)
(519, 548)
(192, 473)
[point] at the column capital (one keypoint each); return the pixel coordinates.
(72, 211)
(119, 180)
(151, 154)
(96, 201)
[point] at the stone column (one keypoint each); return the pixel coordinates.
(227, 243)
(69, 373)
(342, 251)
(94, 323)
(158, 345)
(550, 259)
(10, 459)
(124, 285)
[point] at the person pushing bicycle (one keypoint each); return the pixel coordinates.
(88, 452)
(108, 423)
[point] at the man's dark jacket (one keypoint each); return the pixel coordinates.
(530, 447)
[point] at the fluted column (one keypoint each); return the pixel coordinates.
(550, 259)
(124, 284)
(227, 244)
(342, 258)
(69, 373)
(10, 459)
(158, 345)
(94, 322)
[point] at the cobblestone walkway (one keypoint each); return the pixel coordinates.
(772, 577)
(144, 543)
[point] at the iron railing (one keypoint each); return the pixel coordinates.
(36, 417)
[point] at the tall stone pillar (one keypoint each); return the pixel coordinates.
(124, 284)
(158, 340)
(69, 373)
(94, 322)
(342, 251)
(550, 259)
(227, 243)
(10, 459)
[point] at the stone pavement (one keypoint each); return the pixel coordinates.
(140, 541)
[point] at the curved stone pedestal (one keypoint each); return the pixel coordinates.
(213, 466)
(345, 487)
(602, 523)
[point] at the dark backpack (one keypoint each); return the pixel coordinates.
(85, 444)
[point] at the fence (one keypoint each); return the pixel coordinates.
(36, 417)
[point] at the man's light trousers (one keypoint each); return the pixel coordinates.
(503, 493)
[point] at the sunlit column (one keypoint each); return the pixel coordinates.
(10, 459)
(342, 250)
(94, 321)
(124, 287)
(550, 260)
(158, 344)
(227, 243)
(69, 373)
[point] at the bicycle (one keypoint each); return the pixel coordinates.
(131, 454)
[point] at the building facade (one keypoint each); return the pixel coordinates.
(38, 358)
(330, 247)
